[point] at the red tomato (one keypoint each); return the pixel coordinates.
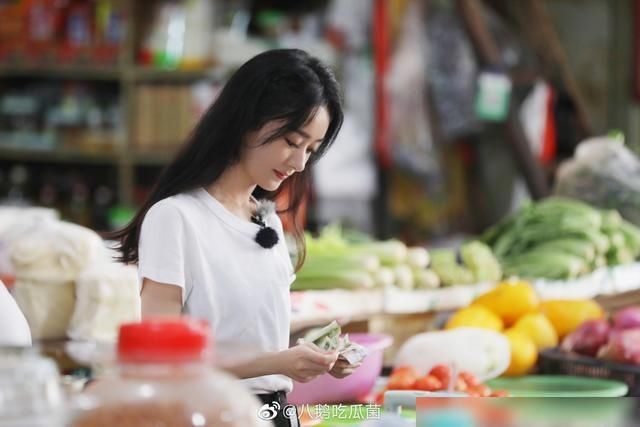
(471, 392)
(443, 373)
(401, 381)
(461, 385)
(379, 400)
(428, 383)
(469, 378)
(479, 390)
(405, 370)
(499, 393)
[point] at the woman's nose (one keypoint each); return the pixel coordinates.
(298, 160)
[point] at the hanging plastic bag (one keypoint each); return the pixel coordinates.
(603, 173)
(538, 122)
(407, 85)
(452, 73)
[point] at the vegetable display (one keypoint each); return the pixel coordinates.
(560, 239)
(335, 260)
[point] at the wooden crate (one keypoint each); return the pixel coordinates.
(613, 303)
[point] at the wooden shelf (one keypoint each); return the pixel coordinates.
(58, 155)
(62, 71)
(313, 308)
(127, 76)
(149, 74)
(61, 155)
(134, 73)
(159, 158)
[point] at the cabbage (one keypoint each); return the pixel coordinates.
(484, 353)
(47, 306)
(107, 295)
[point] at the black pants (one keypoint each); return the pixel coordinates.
(278, 410)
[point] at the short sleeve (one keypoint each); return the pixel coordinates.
(161, 249)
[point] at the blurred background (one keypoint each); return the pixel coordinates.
(456, 111)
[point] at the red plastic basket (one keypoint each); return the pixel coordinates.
(557, 362)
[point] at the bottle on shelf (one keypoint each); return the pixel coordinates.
(103, 198)
(109, 31)
(48, 196)
(78, 32)
(79, 211)
(18, 181)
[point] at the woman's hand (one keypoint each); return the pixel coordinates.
(342, 368)
(304, 362)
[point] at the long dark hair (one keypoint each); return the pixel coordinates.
(282, 84)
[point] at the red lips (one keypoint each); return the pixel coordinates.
(279, 174)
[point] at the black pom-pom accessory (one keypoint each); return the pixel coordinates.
(267, 237)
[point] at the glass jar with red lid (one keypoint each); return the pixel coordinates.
(165, 377)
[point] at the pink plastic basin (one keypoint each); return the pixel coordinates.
(327, 389)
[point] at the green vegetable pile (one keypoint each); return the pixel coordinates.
(335, 260)
(478, 264)
(560, 238)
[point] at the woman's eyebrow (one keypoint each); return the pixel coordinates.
(306, 135)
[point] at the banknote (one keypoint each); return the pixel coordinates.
(329, 338)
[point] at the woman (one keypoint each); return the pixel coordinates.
(208, 242)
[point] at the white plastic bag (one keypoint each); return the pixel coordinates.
(603, 173)
(410, 129)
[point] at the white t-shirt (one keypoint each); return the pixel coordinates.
(14, 329)
(192, 241)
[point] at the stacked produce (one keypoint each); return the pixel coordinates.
(337, 260)
(483, 353)
(618, 341)
(530, 326)
(439, 378)
(67, 284)
(560, 238)
(478, 264)
(459, 360)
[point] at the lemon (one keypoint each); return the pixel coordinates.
(475, 316)
(510, 300)
(539, 328)
(524, 353)
(567, 315)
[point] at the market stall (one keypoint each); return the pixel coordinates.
(401, 304)
(464, 237)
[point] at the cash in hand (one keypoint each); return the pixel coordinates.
(328, 339)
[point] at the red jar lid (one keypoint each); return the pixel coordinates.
(164, 340)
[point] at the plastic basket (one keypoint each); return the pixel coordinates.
(557, 362)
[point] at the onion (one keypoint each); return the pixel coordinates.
(587, 338)
(627, 318)
(623, 346)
